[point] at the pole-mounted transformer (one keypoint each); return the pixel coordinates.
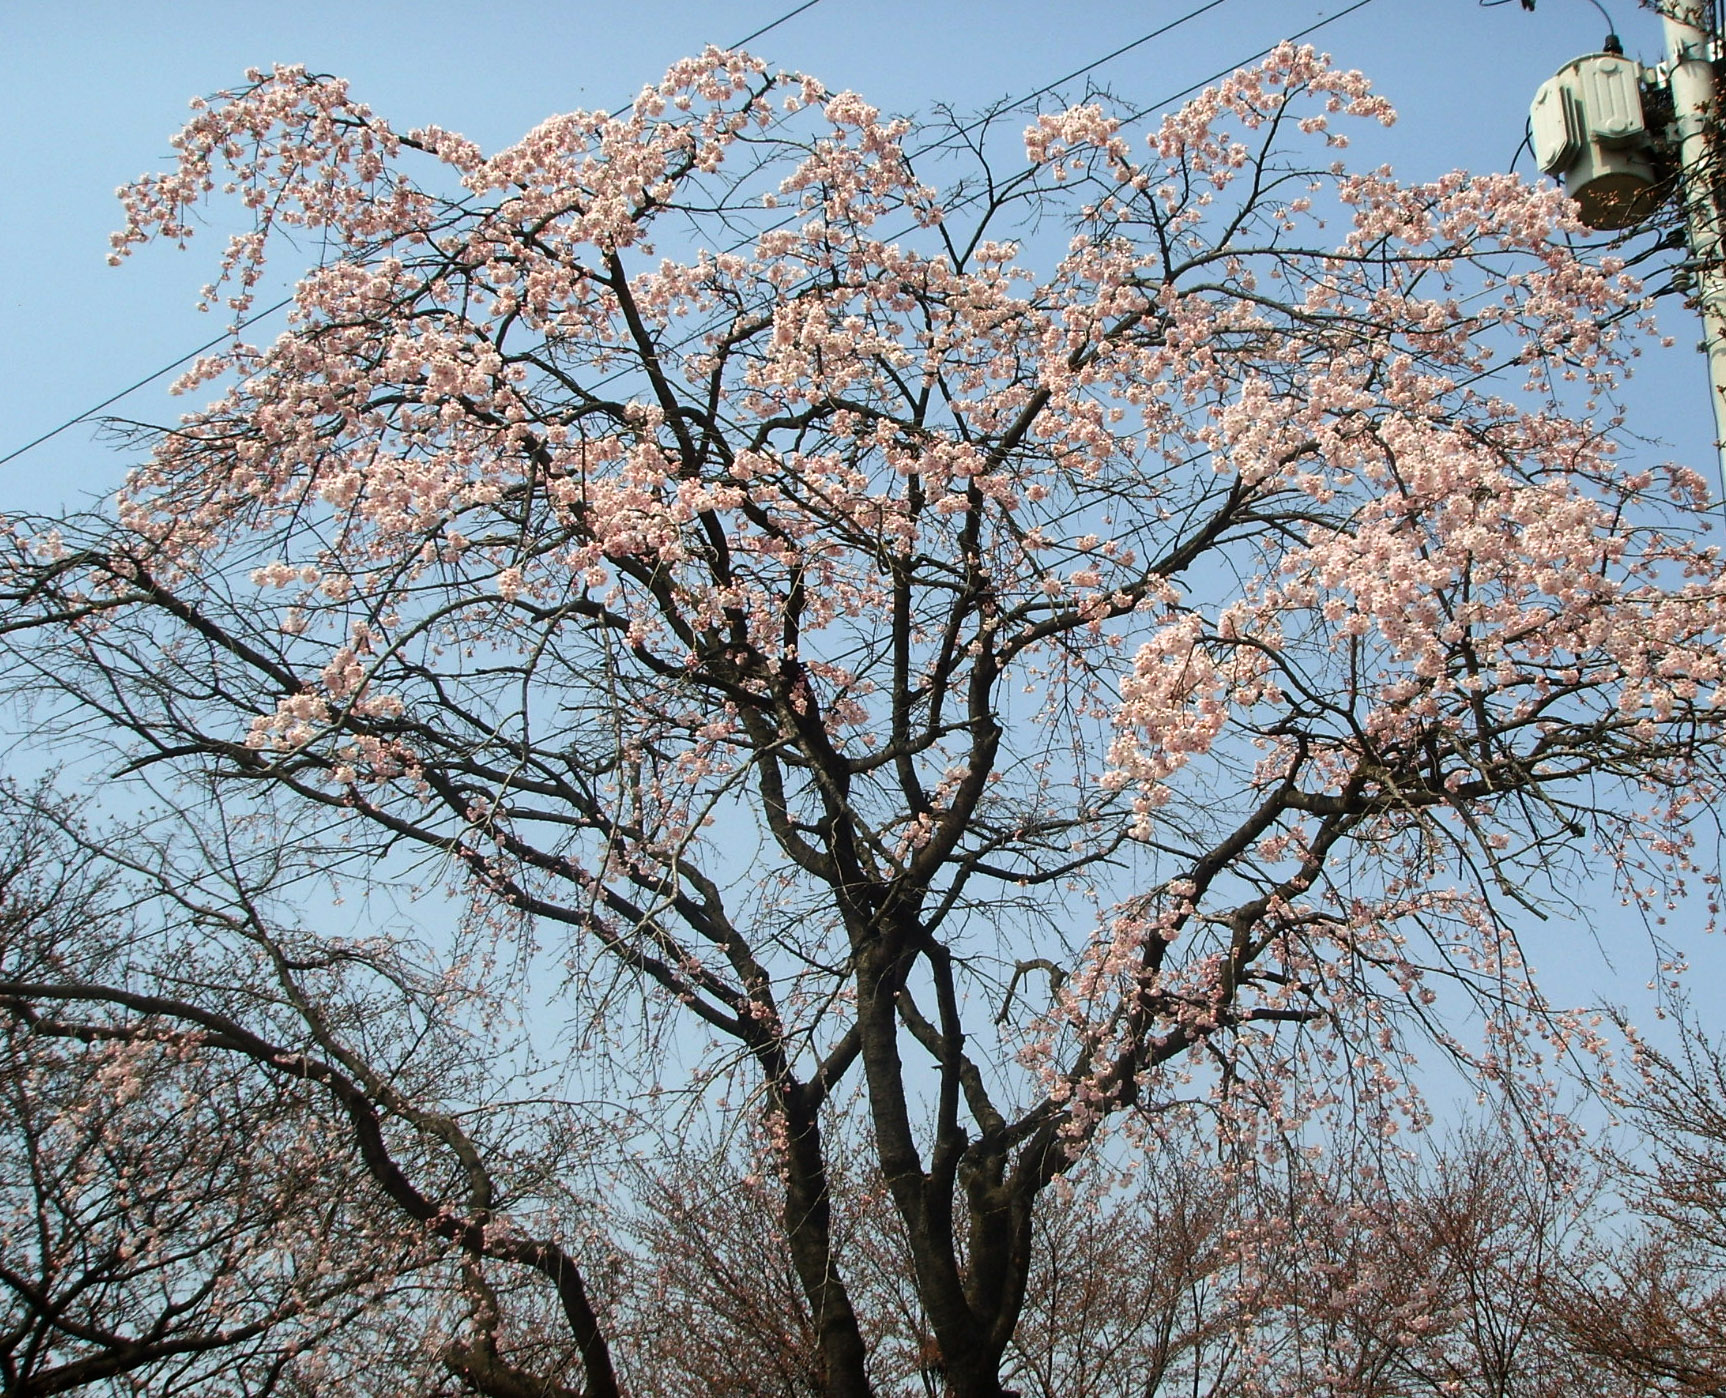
(1624, 139)
(1589, 131)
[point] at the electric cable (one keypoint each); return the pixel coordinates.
(240, 325)
(1611, 28)
(755, 34)
(1224, 72)
(699, 331)
(1091, 66)
(89, 413)
(1010, 104)
(788, 15)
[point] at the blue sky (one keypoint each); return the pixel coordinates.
(91, 90)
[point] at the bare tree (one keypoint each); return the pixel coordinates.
(1650, 1305)
(173, 1217)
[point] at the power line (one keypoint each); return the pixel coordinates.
(1010, 104)
(148, 378)
(1031, 96)
(1241, 63)
(1106, 58)
(747, 38)
(767, 28)
(288, 300)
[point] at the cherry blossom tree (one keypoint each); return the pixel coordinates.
(869, 676)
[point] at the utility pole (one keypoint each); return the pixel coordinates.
(1690, 53)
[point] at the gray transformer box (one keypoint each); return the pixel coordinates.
(1589, 131)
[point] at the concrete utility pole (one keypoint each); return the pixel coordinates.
(1690, 53)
